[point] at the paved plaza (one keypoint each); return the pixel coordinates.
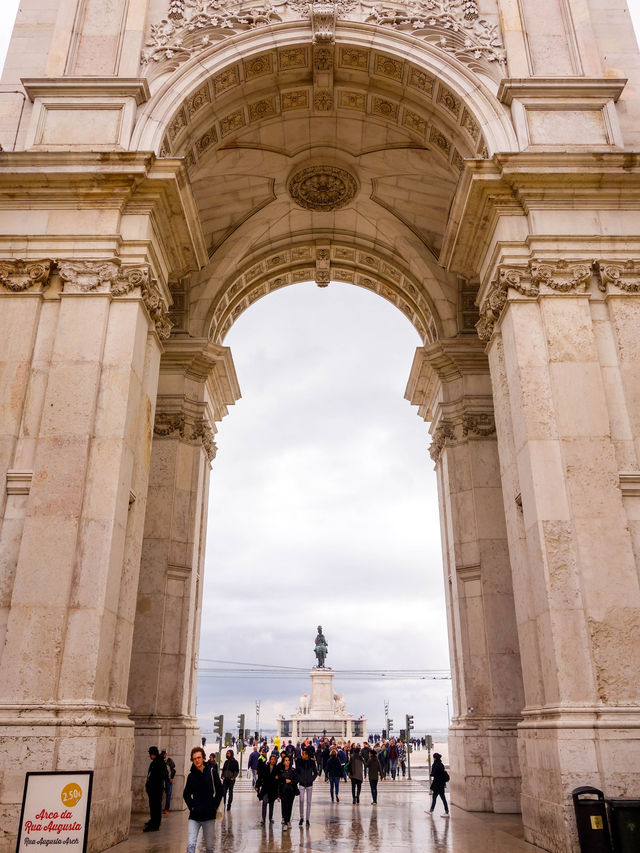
(398, 822)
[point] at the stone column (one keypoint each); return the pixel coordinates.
(197, 382)
(450, 383)
(77, 433)
(576, 581)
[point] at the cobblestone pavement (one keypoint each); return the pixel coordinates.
(398, 822)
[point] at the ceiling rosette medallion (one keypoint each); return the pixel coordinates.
(322, 187)
(453, 26)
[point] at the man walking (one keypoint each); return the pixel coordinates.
(168, 787)
(157, 777)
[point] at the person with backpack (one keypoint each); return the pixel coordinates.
(439, 777)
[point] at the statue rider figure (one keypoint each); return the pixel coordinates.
(321, 647)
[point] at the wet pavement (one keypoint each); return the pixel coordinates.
(398, 822)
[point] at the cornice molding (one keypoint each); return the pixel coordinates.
(525, 88)
(89, 87)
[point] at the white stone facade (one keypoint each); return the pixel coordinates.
(166, 163)
(323, 713)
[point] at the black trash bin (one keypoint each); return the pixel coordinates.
(625, 825)
(591, 820)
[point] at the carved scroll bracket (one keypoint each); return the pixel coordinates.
(18, 276)
(462, 423)
(187, 428)
(111, 276)
(538, 277)
(618, 276)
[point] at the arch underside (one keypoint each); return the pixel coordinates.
(401, 133)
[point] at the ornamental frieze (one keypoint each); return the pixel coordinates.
(461, 428)
(619, 275)
(538, 277)
(453, 26)
(562, 276)
(18, 275)
(176, 425)
(88, 276)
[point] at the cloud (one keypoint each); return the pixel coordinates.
(324, 509)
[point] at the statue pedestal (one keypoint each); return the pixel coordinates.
(321, 690)
(325, 715)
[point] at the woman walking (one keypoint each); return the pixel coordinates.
(355, 769)
(307, 771)
(287, 789)
(267, 786)
(335, 774)
(230, 770)
(373, 766)
(440, 777)
(202, 794)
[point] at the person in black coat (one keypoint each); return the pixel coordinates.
(439, 777)
(307, 771)
(373, 766)
(157, 777)
(335, 772)
(202, 794)
(267, 786)
(287, 789)
(230, 770)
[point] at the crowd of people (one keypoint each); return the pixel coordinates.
(280, 775)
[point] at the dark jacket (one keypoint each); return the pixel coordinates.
(267, 785)
(157, 775)
(203, 792)
(373, 766)
(334, 768)
(355, 767)
(290, 788)
(252, 763)
(439, 776)
(307, 771)
(230, 769)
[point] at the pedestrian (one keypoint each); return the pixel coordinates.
(439, 779)
(157, 776)
(267, 786)
(373, 766)
(168, 785)
(355, 768)
(402, 757)
(252, 765)
(202, 794)
(383, 755)
(230, 770)
(335, 772)
(365, 752)
(307, 771)
(287, 789)
(393, 756)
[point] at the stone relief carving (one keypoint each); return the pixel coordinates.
(517, 278)
(88, 276)
(444, 432)
(461, 427)
(19, 275)
(322, 187)
(482, 425)
(193, 25)
(100, 276)
(454, 26)
(169, 423)
(561, 276)
(175, 424)
(620, 274)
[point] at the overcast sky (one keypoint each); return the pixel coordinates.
(323, 506)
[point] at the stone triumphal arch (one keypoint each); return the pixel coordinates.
(168, 162)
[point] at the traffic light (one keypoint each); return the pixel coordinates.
(384, 734)
(409, 723)
(389, 726)
(403, 734)
(218, 726)
(240, 725)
